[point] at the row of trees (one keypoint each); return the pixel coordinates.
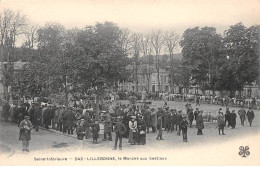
(217, 62)
(101, 54)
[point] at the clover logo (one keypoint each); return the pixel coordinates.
(244, 151)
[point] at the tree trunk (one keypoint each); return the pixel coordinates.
(158, 74)
(97, 107)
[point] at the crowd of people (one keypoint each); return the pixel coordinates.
(127, 121)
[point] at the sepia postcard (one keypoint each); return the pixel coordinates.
(129, 83)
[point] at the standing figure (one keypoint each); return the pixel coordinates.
(120, 129)
(179, 119)
(154, 120)
(190, 117)
(233, 118)
(133, 130)
(184, 127)
(200, 123)
(141, 125)
(159, 128)
(107, 126)
(25, 132)
(95, 129)
(197, 101)
(227, 117)
(87, 119)
(69, 118)
(250, 116)
(196, 112)
(37, 116)
(221, 121)
(242, 115)
(80, 129)
(147, 118)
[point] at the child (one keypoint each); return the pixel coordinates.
(95, 129)
(184, 127)
(81, 130)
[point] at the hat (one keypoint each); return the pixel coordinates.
(184, 116)
(81, 119)
(152, 108)
(220, 108)
(26, 116)
(133, 117)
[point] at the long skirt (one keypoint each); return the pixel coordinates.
(132, 137)
(142, 139)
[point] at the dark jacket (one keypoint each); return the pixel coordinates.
(120, 129)
(250, 115)
(69, 118)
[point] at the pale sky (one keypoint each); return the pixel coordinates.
(140, 15)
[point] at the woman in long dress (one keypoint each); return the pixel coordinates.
(133, 130)
(141, 124)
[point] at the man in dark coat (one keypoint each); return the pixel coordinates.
(221, 122)
(242, 115)
(107, 126)
(120, 129)
(175, 117)
(87, 119)
(179, 119)
(184, 127)
(69, 120)
(233, 118)
(200, 123)
(196, 113)
(159, 128)
(95, 130)
(46, 117)
(37, 117)
(31, 112)
(147, 118)
(22, 112)
(190, 117)
(250, 116)
(227, 117)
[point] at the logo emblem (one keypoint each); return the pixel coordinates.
(244, 151)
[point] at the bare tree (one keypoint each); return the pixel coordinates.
(125, 39)
(31, 35)
(5, 25)
(157, 40)
(146, 48)
(136, 48)
(171, 40)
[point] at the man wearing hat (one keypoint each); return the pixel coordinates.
(25, 132)
(233, 118)
(250, 116)
(95, 130)
(80, 130)
(184, 127)
(107, 126)
(154, 119)
(242, 115)
(159, 128)
(147, 118)
(221, 121)
(120, 129)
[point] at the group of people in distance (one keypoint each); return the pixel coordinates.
(127, 121)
